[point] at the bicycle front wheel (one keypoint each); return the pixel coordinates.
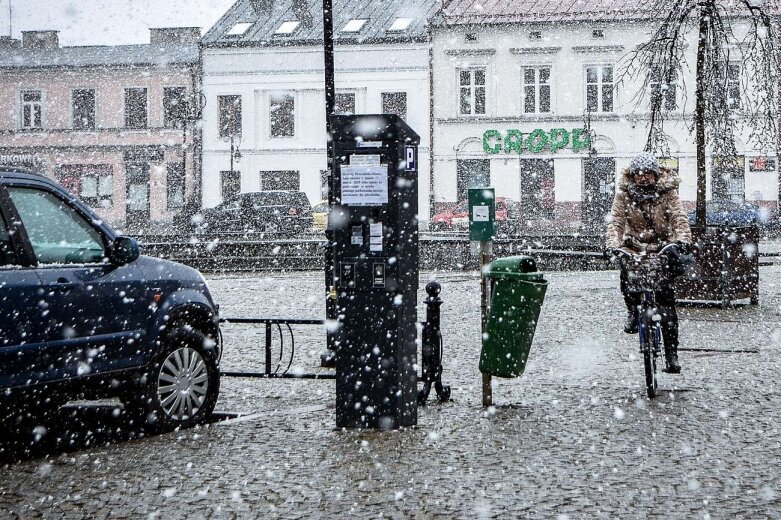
(649, 361)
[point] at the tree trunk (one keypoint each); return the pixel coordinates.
(699, 115)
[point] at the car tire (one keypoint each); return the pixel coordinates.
(180, 387)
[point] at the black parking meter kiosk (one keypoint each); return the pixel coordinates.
(375, 241)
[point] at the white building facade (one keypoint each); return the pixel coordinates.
(535, 109)
(263, 82)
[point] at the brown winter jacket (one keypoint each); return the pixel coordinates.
(644, 226)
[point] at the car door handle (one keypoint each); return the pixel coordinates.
(62, 285)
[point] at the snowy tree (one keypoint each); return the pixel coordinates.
(729, 33)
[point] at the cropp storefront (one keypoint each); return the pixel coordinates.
(556, 176)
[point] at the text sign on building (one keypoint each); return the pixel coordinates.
(536, 141)
(482, 213)
(364, 185)
(762, 164)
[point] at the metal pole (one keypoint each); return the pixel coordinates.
(231, 153)
(330, 101)
(485, 305)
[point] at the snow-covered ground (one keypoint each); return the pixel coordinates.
(573, 437)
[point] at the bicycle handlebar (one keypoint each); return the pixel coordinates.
(622, 253)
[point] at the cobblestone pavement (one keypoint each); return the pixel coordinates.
(573, 438)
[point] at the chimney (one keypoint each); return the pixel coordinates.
(175, 35)
(262, 6)
(7, 43)
(40, 40)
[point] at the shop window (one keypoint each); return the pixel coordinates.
(471, 91)
(538, 197)
(174, 181)
(344, 103)
(280, 180)
(282, 114)
(230, 115)
(395, 103)
(472, 173)
(83, 107)
(536, 90)
(599, 88)
(136, 108)
(729, 178)
(32, 109)
(732, 85)
(174, 107)
(93, 183)
(230, 184)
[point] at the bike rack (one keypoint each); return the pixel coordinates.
(431, 351)
(281, 325)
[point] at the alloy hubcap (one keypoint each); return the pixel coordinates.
(182, 384)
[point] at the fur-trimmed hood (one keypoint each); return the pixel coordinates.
(668, 180)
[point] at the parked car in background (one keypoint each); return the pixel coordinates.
(83, 315)
(732, 213)
(320, 215)
(285, 212)
(457, 217)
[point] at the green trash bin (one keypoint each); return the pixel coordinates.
(517, 293)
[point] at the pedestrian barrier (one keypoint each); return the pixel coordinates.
(517, 291)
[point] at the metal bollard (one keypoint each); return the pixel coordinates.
(431, 349)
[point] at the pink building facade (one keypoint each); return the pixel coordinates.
(115, 125)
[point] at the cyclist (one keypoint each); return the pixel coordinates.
(647, 214)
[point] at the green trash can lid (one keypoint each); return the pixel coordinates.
(522, 267)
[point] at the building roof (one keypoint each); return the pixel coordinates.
(457, 12)
(263, 19)
(156, 55)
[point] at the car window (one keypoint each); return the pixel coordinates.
(7, 255)
(58, 234)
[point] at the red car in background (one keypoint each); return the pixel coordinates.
(457, 217)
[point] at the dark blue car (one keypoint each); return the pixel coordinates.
(82, 315)
(732, 213)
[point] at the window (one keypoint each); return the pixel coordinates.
(599, 88)
(536, 90)
(72, 241)
(355, 25)
(598, 34)
(7, 254)
(664, 91)
(472, 173)
(733, 85)
(32, 109)
(535, 35)
(287, 28)
(83, 102)
(135, 108)
(280, 180)
(395, 103)
(538, 199)
(174, 107)
(239, 29)
(174, 182)
(471, 37)
(93, 183)
(230, 115)
(344, 103)
(472, 91)
(230, 184)
(282, 115)
(400, 25)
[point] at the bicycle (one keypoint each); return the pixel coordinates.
(646, 275)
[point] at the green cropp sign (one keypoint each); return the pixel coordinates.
(536, 141)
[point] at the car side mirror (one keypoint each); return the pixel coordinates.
(124, 250)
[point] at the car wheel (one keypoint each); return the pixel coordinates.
(181, 386)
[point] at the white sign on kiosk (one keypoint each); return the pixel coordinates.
(364, 185)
